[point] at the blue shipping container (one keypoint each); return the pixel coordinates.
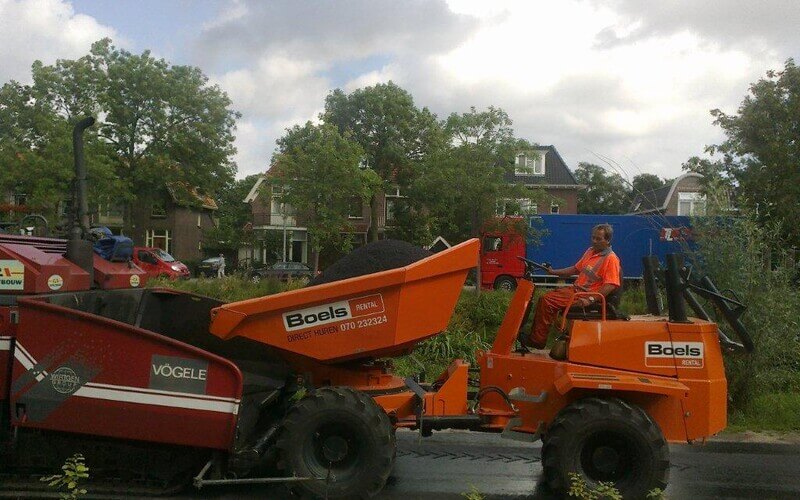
(566, 237)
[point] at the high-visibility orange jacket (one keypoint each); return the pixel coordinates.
(596, 269)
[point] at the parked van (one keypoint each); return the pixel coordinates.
(158, 263)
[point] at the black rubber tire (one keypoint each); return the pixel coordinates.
(336, 415)
(607, 440)
(506, 283)
(255, 278)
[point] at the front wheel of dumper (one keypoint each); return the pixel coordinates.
(605, 440)
(342, 438)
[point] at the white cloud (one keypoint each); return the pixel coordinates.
(45, 30)
(627, 79)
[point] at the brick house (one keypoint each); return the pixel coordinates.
(173, 221)
(681, 197)
(544, 168)
(270, 214)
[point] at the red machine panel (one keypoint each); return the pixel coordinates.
(26, 269)
(114, 275)
(77, 372)
(6, 346)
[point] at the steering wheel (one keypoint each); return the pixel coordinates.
(544, 266)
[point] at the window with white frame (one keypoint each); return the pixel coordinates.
(554, 208)
(519, 206)
(356, 208)
(521, 165)
(19, 199)
(538, 163)
(691, 204)
(158, 238)
(393, 200)
(529, 164)
(158, 210)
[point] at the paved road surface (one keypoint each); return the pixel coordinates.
(449, 463)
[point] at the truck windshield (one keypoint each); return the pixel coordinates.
(492, 243)
(164, 255)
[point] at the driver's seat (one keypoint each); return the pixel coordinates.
(594, 312)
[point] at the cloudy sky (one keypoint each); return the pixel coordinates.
(630, 80)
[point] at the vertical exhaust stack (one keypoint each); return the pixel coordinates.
(79, 249)
(675, 286)
(651, 266)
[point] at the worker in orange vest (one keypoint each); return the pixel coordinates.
(598, 271)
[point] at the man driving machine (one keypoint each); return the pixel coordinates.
(598, 270)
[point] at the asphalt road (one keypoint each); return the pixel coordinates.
(448, 464)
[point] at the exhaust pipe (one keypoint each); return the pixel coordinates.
(80, 230)
(79, 249)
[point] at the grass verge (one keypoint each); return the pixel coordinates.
(768, 412)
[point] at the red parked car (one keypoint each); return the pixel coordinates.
(158, 263)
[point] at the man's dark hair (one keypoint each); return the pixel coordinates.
(607, 230)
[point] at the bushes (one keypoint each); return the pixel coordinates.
(229, 288)
(739, 254)
(472, 327)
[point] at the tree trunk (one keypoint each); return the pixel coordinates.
(315, 256)
(372, 232)
(477, 230)
(127, 221)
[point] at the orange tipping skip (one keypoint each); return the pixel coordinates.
(375, 315)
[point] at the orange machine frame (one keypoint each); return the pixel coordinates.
(674, 371)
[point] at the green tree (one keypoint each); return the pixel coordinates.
(318, 171)
(605, 193)
(394, 134)
(233, 215)
(761, 155)
(643, 183)
(36, 152)
(460, 186)
(159, 123)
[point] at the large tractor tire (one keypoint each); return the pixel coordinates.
(606, 440)
(341, 436)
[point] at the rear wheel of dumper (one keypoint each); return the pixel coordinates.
(343, 438)
(606, 440)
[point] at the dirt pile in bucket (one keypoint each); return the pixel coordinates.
(372, 258)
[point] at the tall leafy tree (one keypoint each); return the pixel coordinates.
(605, 193)
(761, 155)
(643, 183)
(36, 153)
(234, 214)
(461, 185)
(319, 173)
(394, 134)
(159, 123)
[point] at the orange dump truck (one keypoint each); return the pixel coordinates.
(168, 387)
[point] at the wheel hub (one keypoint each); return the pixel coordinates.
(334, 449)
(605, 460)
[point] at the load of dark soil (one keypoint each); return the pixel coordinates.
(372, 258)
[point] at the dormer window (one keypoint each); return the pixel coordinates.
(521, 164)
(529, 164)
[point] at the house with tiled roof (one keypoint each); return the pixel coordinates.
(270, 213)
(543, 168)
(680, 197)
(173, 220)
